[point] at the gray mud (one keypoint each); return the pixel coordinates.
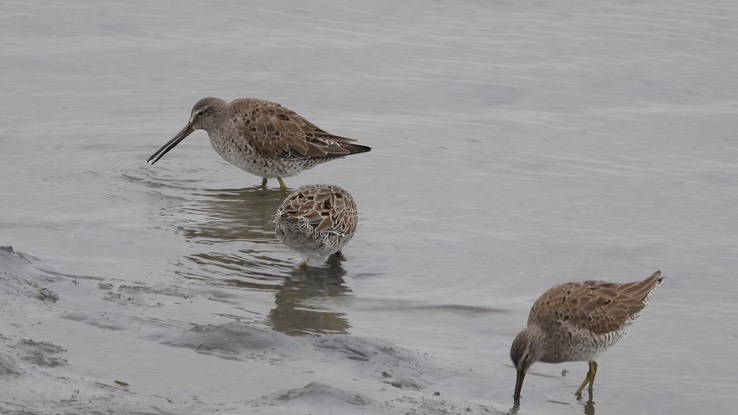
(335, 373)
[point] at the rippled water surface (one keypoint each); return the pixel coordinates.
(516, 145)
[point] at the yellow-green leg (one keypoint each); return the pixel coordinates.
(282, 186)
(263, 182)
(590, 378)
(303, 265)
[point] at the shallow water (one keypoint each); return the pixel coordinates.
(516, 145)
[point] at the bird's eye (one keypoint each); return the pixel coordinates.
(199, 113)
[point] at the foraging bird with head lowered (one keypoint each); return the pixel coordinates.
(577, 321)
(317, 221)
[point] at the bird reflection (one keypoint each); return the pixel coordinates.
(233, 232)
(589, 405)
(294, 313)
(233, 215)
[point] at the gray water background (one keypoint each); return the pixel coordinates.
(516, 145)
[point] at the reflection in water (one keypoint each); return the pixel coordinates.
(233, 215)
(237, 230)
(294, 315)
(589, 405)
(234, 235)
(252, 270)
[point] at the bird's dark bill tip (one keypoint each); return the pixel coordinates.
(154, 158)
(187, 130)
(518, 385)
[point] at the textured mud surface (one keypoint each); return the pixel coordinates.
(58, 331)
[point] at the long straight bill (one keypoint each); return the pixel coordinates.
(518, 385)
(171, 144)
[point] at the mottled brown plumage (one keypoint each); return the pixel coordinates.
(577, 321)
(262, 137)
(317, 221)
